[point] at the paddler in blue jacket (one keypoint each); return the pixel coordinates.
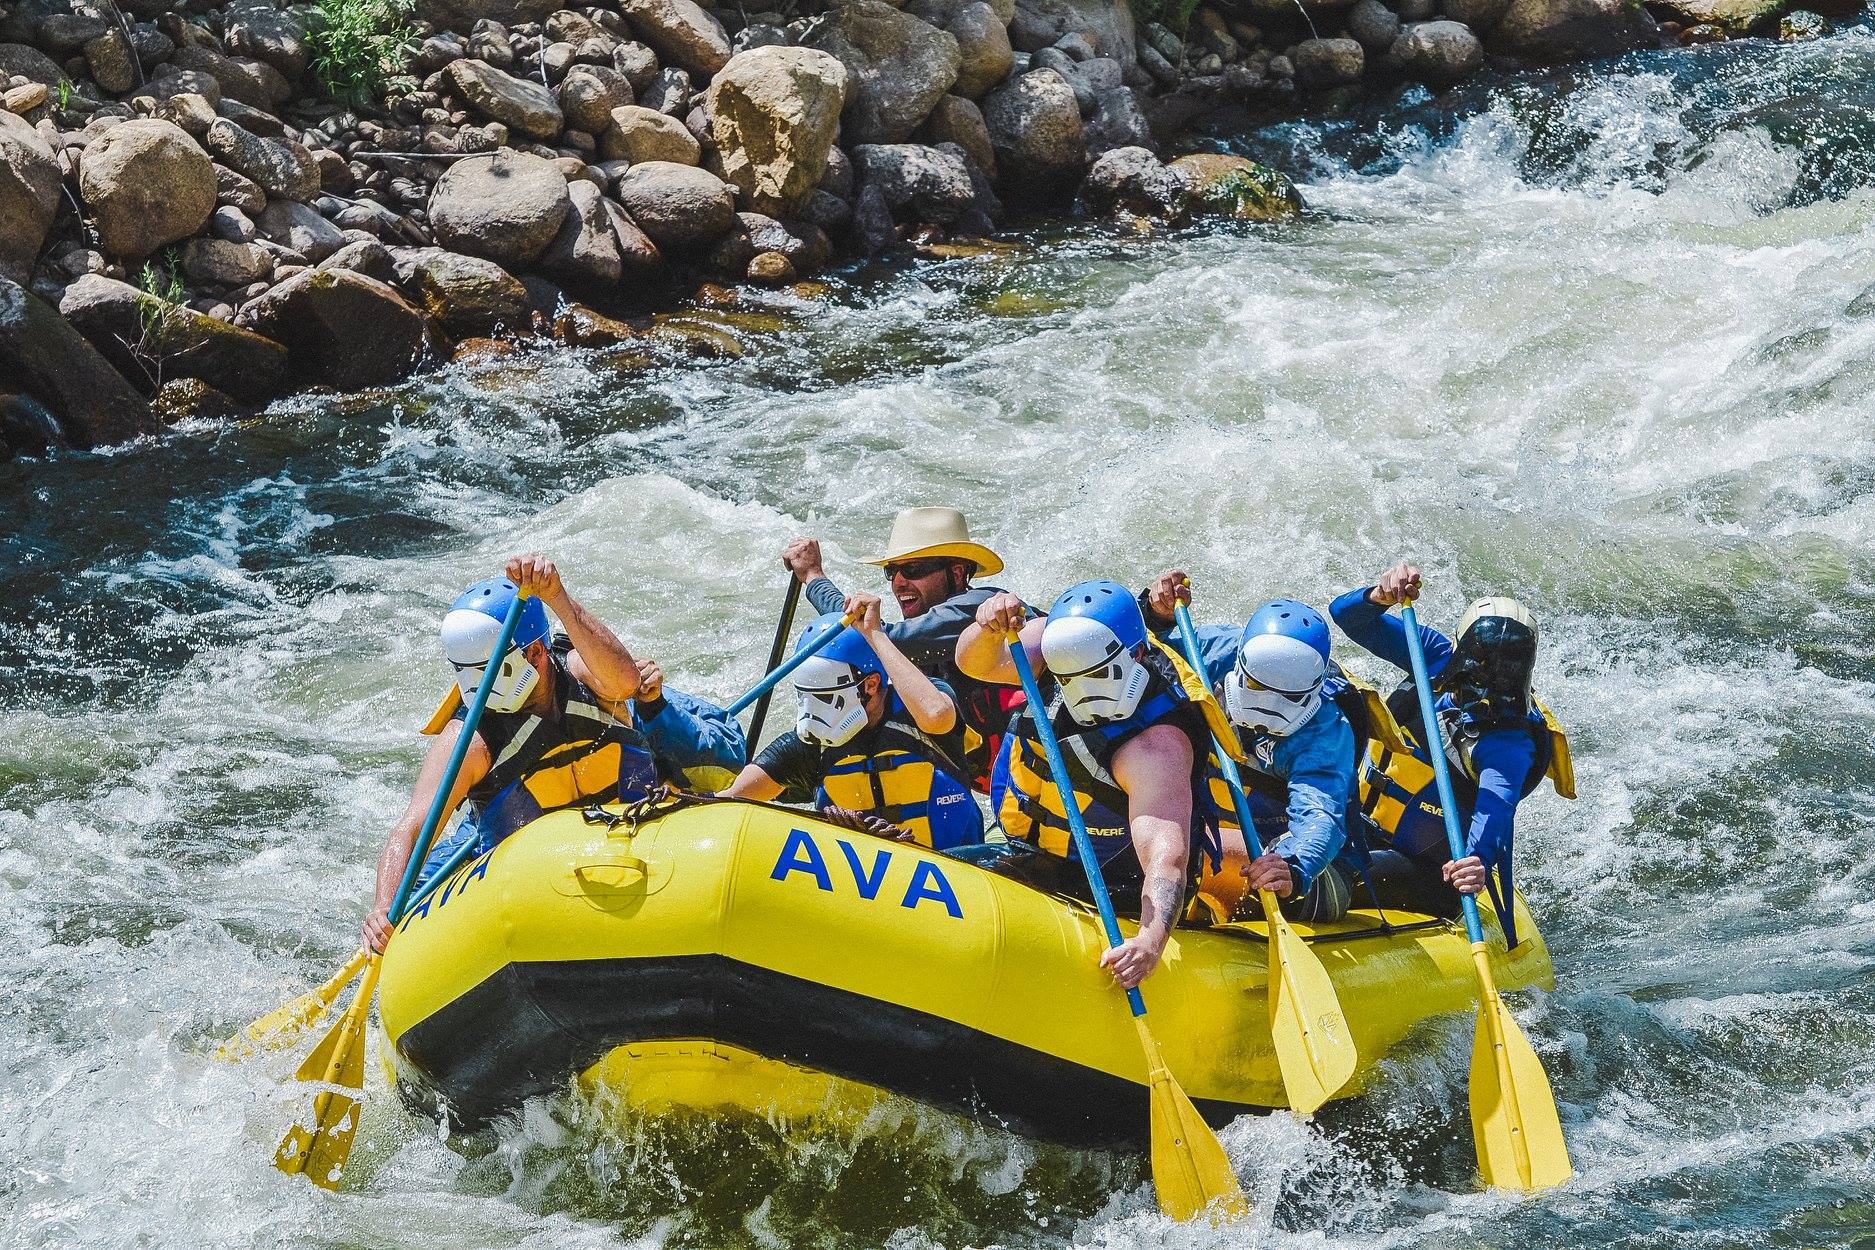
(1275, 682)
(573, 719)
(876, 742)
(1130, 719)
(1499, 741)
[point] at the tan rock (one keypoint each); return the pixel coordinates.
(681, 33)
(29, 195)
(774, 112)
(146, 183)
(1236, 187)
(640, 134)
(506, 207)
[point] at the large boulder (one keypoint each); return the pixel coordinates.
(1035, 126)
(1232, 186)
(1437, 53)
(918, 183)
(505, 208)
(982, 41)
(959, 121)
(24, 61)
(263, 33)
(899, 67)
(281, 167)
(586, 252)
(522, 106)
(589, 93)
(678, 206)
(253, 83)
(43, 355)
(1376, 26)
(681, 33)
(469, 297)
(29, 195)
(639, 134)
(1132, 180)
(146, 183)
(340, 327)
(462, 15)
(1328, 62)
(1549, 32)
(774, 112)
(150, 339)
(1118, 122)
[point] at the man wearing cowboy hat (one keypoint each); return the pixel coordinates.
(929, 561)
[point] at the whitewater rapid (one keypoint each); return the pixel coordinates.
(1604, 340)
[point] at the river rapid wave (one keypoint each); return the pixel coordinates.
(1604, 338)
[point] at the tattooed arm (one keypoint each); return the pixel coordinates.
(1155, 771)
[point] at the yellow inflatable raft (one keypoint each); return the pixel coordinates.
(732, 956)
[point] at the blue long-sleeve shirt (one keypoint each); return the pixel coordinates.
(1316, 761)
(1504, 758)
(694, 737)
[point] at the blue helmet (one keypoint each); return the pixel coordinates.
(827, 684)
(493, 596)
(850, 647)
(1093, 630)
(1282, 658)
(471, 628)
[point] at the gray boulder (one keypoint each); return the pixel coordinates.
(263, 33)
(982, 41)
(1133, 180)
(223, 263)
(773, 114)
(1109, 23)
(589, 93)
(24, 61)
(681, 33)
(1437, 53)
(918, 183)
(280, 167)
(1328, 62)
(1551, 32)
(467, 296)
(585, 253)
(505, 208)
(43, 355)
(959, 121)
(522, 106)
(147, 338)
(1035, 126)
(296, 226)
(253, 83)
(146, 183)
(1118, 122)
(899, 68)
(339, 327)
(640, 134)
(29, 195)
(677, 206)
(1376, 26)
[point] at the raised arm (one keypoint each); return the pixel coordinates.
(982, 651)
(599, 659)
(931, 709)
(1363, 616)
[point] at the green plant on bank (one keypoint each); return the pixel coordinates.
(161, 282)
(64, 93)
(360, 48)
(1174, 15)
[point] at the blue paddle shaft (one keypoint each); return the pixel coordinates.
(1422, 686)
(774, 679)
(1188, 638)
(1083, 845)
(439, 806)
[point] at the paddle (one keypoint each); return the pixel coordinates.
(1513, 1113)
(1313, 1047)
(282, 1026)
(338, 1062)
(1189, 1168)
(783, 628)
(775, 676)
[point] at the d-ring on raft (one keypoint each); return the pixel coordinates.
(723, 957)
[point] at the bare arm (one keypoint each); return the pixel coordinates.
(931, 709)
(982, 651)
(397, 848)
(1155, 771)
(753, 783)
(599, 659)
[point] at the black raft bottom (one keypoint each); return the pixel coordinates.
(526, 1029)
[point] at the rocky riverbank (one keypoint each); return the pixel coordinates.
(192, 224)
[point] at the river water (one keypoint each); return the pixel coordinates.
(1605, 339)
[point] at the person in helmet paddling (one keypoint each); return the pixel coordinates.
(1131, 720)
(573, 718)
(930, 561)
(1283, 698)
(876, 742)
(1499, 741)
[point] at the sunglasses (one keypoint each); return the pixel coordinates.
(916, 568)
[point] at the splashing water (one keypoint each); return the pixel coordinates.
(1602, 338)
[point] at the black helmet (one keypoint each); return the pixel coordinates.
(1488, 675)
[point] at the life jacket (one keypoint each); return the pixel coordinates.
(1399, 794)
(906, 777)
(985, 709)
(539, 765)
(1022, 789)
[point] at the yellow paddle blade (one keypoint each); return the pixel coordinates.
(1189, 1168)
(1314, 1049)
(338, 1062)
(1513, 1113)
(282, 1026)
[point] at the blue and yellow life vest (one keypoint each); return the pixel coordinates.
(905, 777)
(1022, 789)
(539, 765)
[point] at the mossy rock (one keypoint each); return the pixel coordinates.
(1233, 186)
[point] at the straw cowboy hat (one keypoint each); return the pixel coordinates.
(933, 532)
